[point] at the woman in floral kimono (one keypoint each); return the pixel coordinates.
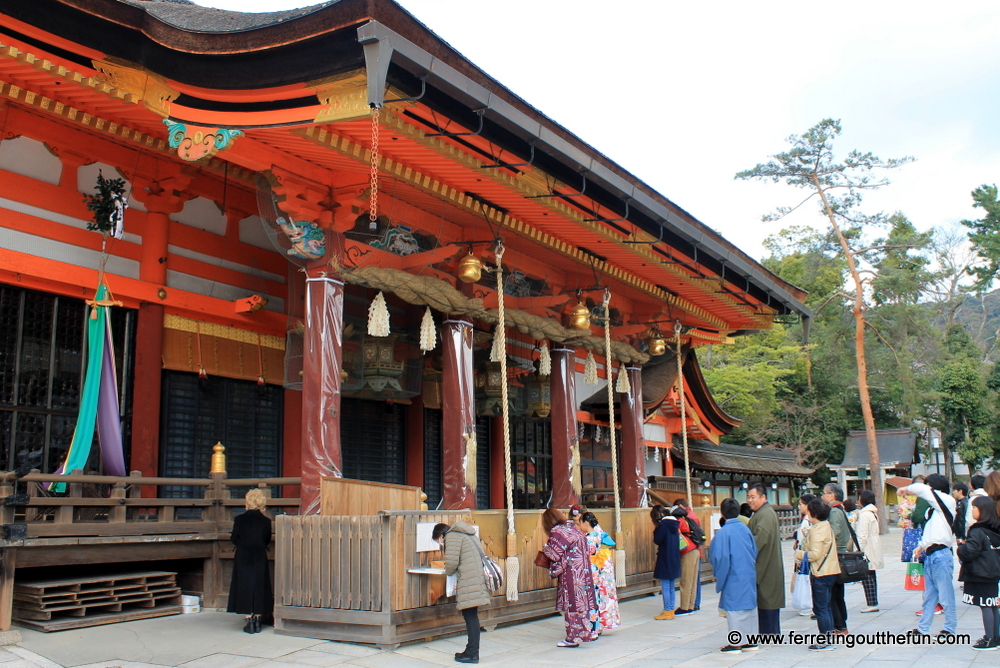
(602, 567)
(569, 553)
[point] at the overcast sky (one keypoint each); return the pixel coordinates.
(684, 95)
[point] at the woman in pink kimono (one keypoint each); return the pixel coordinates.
(569, 553)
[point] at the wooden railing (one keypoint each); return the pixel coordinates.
(361, 562)
(96, 505)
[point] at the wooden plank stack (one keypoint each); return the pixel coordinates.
(70, 603)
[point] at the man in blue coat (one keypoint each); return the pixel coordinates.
(733, 553)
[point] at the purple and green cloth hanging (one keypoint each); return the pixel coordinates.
(98, 402)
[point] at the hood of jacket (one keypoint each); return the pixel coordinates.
(462, 527)
(993, 534)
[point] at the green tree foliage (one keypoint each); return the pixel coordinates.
(749, 377)
(966, 423)
(838, 186)
(985, 235)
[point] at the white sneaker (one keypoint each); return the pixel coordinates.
(807, 613)
(870, 608)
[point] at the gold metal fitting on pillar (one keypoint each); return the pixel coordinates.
(218, 458)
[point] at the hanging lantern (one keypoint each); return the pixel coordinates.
(470, 269)
(489, 380)
(381, 369)
(657, 346)
(579, 317)
(539, 395)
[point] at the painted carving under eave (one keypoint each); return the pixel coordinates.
(194, 143)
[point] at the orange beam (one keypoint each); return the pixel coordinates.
(20, 268)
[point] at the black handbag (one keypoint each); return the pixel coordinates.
(854, 566)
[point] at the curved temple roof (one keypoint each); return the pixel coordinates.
(262, 72)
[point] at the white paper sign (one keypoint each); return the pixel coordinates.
(425, 543)
(715, 523)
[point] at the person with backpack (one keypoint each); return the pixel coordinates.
(833, 495)
(936, 546)
(980, 572)
(698, 535)
(463, 555)
(690, 561)
(569, 561)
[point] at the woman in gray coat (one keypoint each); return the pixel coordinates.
(463, 555)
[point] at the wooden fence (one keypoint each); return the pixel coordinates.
(346, 578)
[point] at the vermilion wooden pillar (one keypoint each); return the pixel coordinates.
(146, 394)
(322, 347)
(458, 403)
(633, 464)
(149, 333)
(563, 426)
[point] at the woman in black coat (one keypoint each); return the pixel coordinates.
(666, 535)
(250, 590)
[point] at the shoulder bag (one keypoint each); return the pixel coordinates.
(853, 565)
(491, 569)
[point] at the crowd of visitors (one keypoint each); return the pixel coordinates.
(940, 522)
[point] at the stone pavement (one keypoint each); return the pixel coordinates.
(215, 640)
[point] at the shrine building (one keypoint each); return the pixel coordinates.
(330, 212)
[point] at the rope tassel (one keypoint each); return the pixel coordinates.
(428, 335)
(544, 360)
(378, 317)
(623, 386)
(590, 370)
(620, 568)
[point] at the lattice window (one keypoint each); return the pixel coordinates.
(432, 457)
(373, 440)
(531, 460)
(41, 373)
(242, 415)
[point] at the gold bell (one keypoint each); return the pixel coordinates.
(657, 346)
(470, 269)
(579, 317)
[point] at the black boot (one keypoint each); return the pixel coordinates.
(249, 626)
(256, 623)
(467, 658)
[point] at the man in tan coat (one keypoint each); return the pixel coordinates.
(770, 566)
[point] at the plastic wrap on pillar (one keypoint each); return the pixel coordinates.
(565, 441)
(633, 465)
(322, 344)
(458, 427)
